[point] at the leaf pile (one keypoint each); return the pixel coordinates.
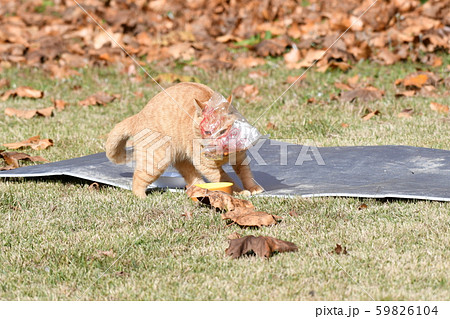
(60, 37)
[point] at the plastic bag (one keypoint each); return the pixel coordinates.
(224, 130)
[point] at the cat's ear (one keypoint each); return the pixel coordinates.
(230, 99)
(199, 106)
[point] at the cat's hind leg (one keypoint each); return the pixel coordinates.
(150, 164)
(141, 180)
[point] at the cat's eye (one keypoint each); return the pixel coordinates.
(208, 132)
(222, 132)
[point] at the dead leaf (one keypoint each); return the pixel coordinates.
(34, 142)
(218, 199)
(23, 91)
(258, 74)
(59, 104)
(309, 59)
(295, 79)
(271, 126)
(246, 91)
(28, 114)
(338, 250)
(407, 93)
(293, 213)
(362, 206)
(94, 186)
(405, 113)
(352, 81)
(439, 107)
(388, 57)
(4, 83)
(343, 86)
(248, 62)
(371, 114)
(234, 235)
(415, 80)
(250, 218)
(272, 47)
(99, 98)
(262, 246)
(12, 158)
(366, 94)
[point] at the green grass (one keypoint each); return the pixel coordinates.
(52, 231)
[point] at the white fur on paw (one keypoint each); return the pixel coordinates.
(244, 193)
(256, 189)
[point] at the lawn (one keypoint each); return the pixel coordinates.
(64, 240)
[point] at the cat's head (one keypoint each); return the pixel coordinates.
(221, 128)
(214, 117)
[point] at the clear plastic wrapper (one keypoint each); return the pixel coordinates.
(224, 130)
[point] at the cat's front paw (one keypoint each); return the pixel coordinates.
(256, 189)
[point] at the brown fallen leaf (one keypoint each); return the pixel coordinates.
(28, 114)
(343, 66)
(272, 47)
(99, 98)
(234, 235)
(4, 83)
(257, 74)
(248, 62)
(309, 59)
(371, 114)
(12, 158)
(94, 187)
(343, 86)
(217, 199)
(439, 107)
(406, 93)
(271, 126)
(345, 125)
(34, 142)
(352, 81)
(405, 113)
(366, 94)
(250, 218)
(23, 91)
(293, 213)
(262, 246)
(246, 91)
(362, 206)
(59, 104)
(338, 250)
(295, 79)
(415, 81)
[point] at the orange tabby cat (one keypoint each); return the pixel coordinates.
(167, 132)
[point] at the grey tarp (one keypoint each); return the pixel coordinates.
(288, 169)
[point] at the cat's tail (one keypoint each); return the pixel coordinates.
(117, 139)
